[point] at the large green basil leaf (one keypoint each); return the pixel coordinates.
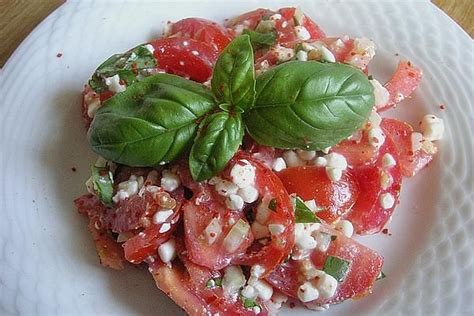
(219, 137)
(127, 65)
(309, 105)
(151, 122)
(260, 40)
(233, 78)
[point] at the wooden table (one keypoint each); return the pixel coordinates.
(19, 17)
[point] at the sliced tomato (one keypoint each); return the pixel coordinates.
(249, 19)
(404, 81)
(314, 30)
(400, 133)
(339, 47)
(367, 215)
(311, 182)
(185, 57)
(365, 266)
(358, 152)
(109, 251)
(202, 30)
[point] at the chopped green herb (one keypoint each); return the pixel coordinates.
(213, 282)
(248, 302)
(336, 267)
(259, 39)
(272, 205)
(381, 276)
(103, 182)
(370, 77)
(303, 214)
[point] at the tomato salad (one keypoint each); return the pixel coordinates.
(236, 161)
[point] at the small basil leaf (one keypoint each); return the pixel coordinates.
(381, 276)
(303, 214)
(151, 122)
(214, 282)
(336, 267)
(103, 183)
(127, 65)
(260, 40)
(220, 135)
(233, 79)
(309, 105)
(272, 205)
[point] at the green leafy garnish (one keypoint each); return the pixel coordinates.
(272, 205)
(220, 135)
(103, 182)
(260, 40)
(303, 214)
(381, 276)
(248, 302)
(309, 105)
(336, 267)
(214, 282)
(126, 65)
(151, 122)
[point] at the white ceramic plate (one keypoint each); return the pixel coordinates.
(48, 263)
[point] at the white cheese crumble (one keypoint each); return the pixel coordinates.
(311, 204)
(257, 271)
(165, 227)
(279, 164)
(345, 227)
(307, 292)
(150, 48)
(169, 181)
(234, 202)
(376, 137)
(224, 187)
(167, 251)
(263, 289)
(386, 180)
(302, 55)
(302, 33)
(386, 200)
(161, 216)
(327, 285)
(233, 279)
(388, 161)
(306, 154)
(292, 159)
(362, 53)
(432, 127)
(243, 174)
(92, 101)
(416, 141)
(283, 53)
(236, 235)
(248, 194)
(380, 93)
(320, 162)
(335, 165)
(127, 188)
(212, 231)
(249, 292)
(114, 84)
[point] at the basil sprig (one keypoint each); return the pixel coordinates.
(103, 182)
(309, 105)
(126, 65)
(150, 123)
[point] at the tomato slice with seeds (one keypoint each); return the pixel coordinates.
(368, 216)
(185, 57)
(365, 266)
(310, 182)
(404, 81)
(202, 30)
(400, 133)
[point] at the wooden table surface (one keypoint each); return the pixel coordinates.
(19, 17)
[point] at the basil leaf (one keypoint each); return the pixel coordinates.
(103, 183)
(151, 122)
(309, 105)
(220, 135)
(249, 302)
(272, 205)
(381, 276)
(336, 267)
(303, 214)
(233, 78)
(127, 65)
(214, 282)
(260, 40)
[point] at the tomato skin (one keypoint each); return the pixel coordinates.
(365, 266)
(404, 81)
(367, 215)
(358, 152)
(175, 55)
(250, 19)
(278, 249)
(311, 182)
(205, 31)
(400, 133)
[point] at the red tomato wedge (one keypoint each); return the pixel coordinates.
(365, 267)
(339, 47)
(185, 57)
(358, 152)
(249, 19)
(400, 133)
(205, 31)
(269, 186)
(109, 251)
(404, 81)
(313, 29)
(368, 215)
(311, 182)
